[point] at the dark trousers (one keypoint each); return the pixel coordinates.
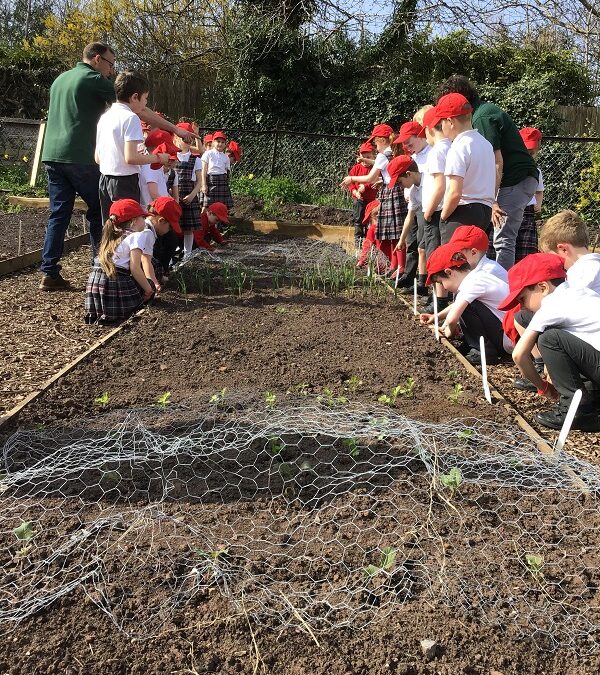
(113, 188)
(478, 320)
(432, 233)
(358, 213)
(65, 182)
(412, 252)
(164, 249)
(466, 214)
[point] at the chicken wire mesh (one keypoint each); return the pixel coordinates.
(314, 514)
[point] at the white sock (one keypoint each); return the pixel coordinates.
(188, 242)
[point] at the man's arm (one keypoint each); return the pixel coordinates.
(497, 213)
(134, 156)
(149, 116)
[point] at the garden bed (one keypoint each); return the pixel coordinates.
(269, 340)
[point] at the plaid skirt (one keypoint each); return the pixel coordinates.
(109, 301)
(218, 190)
(392, 213)
(190, 215)
(527, 237)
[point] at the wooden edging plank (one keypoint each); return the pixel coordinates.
(14, 412)
(20, 262)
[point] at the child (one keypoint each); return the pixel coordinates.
(234, 152)
(362, 193)
(567, 235)
(412, 138)
(207, 141)
(564, 323)
(153, 177)
(117, 285)
(215, 213)
(392, 205)
(215, 173)
(473, 243)
(169, 210)
(475, 306)
(189, 176)
(527, 236)
(370, 217)
(470, 169)
(118, 135)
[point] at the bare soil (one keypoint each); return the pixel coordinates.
(32, 224)
(249, 208)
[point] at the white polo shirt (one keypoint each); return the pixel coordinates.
(540, 188)
(585, 273)
(471, 157)
(489, 290)
(185, 156)
(148, 175)
(381, 163)
(491, 267)
(436, 164)
(414, 197)
(575, 310)
(118, 125)
(143, 240)
(218, 162)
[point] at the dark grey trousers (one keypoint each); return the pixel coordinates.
(113, 188)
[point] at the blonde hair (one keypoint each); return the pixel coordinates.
(112, 235)
(418, 116)
(566, 227)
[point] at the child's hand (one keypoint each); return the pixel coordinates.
(347, 180)
(163, 158)
(188, 198)
(426, 319)
(148, 293)
(401, 245)
(356, 194)
(204, 189)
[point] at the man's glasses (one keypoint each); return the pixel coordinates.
(112, 63)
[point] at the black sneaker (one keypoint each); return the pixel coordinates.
(56, 283)
(428, 309)
(523, 384)
(405, 283)
(473, 356)
(554, 418)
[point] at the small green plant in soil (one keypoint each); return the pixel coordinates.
(455, 396)
(535, 563)
(466, 434)
(452, 480)
(111, 477)
(102, 400)
(24, 532)
(386, 563)
(275, 445)
(453, 374)
(329, 399)
(270, 399)
(219, 397)
(406, 390)
(164, 399)
(280, 310)
(352, 445)
(212, 555)
(354, 383)
(301, 389)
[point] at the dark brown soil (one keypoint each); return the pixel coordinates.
(33, 226)
(249, 208)
(291, 344)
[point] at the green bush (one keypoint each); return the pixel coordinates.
(273, 192)
(14, 178)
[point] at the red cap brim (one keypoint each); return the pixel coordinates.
(393, 181)
(510, 300)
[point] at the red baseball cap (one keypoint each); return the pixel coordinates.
(186, 126)
(409, 129)
(157, 137)
(220, 210)
(169, 148)
(530, 270)
(531, 137)
(369, 209)
(126, 209)
(219, 134)
(452, 105)
(430, 118)
(397, 167)
(441, 259)
(235, 149)
(208, 138)
(381, 131)
(366, 147)
(470, 236)
(170, 210)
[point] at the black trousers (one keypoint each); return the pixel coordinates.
(467, 214)
(478, 320)
(113, 188)
(432, 233)
(164, 249)
(412, 252)
(358, 213)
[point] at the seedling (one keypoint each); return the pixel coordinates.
(280, 310)
(270, 398)
(453, 374)
(24, 532)
(102, 400)
(275, 445)
(111, 476)
(211, 555)
(329, 399)
(354, 383)
(456, 394)
(164, 399)
(406, 390)
(219, 397)
(452, 480)
(352, 445)
(386, 563)
(535, 563)
(466, 434)
(302, 388)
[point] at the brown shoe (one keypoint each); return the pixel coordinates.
(57, 283)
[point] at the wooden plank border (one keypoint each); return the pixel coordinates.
(20, 262)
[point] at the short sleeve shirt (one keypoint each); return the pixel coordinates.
(77, 99)
(540, 188)
(436, 164)
(149, 175)
(491, 267)
(498, 128)
(184, 157)
(218, 162)
(118, 125)
(472, 158)
(585, 273)
(143, 240)
(381, 163)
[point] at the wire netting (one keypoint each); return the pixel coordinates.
(313, 514)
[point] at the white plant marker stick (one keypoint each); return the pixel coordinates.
(415, 296)
(566, 427)
(20, 232)
(436, 321)
(486, 386)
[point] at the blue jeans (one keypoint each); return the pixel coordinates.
(65, 181)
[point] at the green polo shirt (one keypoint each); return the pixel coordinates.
(499, 129)
(77, 99)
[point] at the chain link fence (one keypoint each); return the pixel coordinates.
(570, 166)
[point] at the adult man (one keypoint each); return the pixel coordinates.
(77, 99)
(516, 172)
